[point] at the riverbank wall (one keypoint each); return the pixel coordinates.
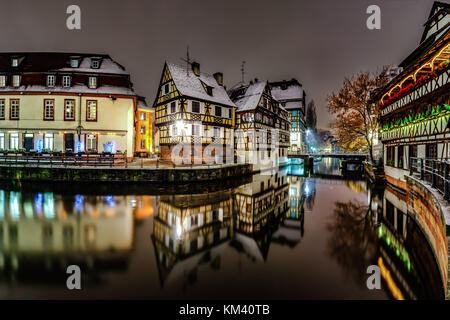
(121, 174)
(432, 213)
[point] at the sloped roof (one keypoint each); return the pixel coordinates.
(250, 100)
(58, 61)
(190, 85)
(286, 90)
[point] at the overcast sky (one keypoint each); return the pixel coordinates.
(318, 42)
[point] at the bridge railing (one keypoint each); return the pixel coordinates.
(433, 171)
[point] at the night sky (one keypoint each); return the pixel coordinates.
(318, 42)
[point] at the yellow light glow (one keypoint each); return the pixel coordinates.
(386, 274)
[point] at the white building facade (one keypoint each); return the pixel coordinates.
(65, 102)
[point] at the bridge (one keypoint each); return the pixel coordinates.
(339, 155)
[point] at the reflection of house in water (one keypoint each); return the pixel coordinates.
(190, 230)
(291, 228)
(406, 261)
(44, 230)
(259, 206)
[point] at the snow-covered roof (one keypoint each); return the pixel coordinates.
(107, 66)
(105, 89)
(188, 84)
(286, 90)
(250, 100)
(293, 105)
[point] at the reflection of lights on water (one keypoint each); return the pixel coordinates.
(79, 201)
(49, 205)
(38, 201)
(178, 230)
(110, 201)
(293, 191)
(28, 209)
(14, 208)
(307, 190)
(2, 204)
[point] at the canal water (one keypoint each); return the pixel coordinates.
(289, 234)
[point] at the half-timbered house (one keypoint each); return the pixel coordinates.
(193, 110)
(415, 105)
(292, 97)
(262, 126)
(186, 228)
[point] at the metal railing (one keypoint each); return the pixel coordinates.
(433, 171)
(62, 159)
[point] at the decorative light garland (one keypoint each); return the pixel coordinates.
(436, 72)
(436, 111)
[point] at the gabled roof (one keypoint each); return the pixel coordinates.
(287, 90)
(438, 8)
(190, 85)
(251, 95)
(428, 42)
(58, 61)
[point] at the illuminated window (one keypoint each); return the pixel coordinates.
(92, 82)
(14, 141)
(49, 108)
(48, 141)
(195, 130)
(91, 110)
(14, 109)
(14, 62)
(91, 142)
(2, 140)
(51, 80)
(143, 144)
(142, 115)
(74, 62)
(143, 129)
(16, 80)
(2, 81)
(69, 109)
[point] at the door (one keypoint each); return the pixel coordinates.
(69, 142)
(28, 142)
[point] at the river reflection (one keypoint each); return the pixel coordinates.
(284, 234)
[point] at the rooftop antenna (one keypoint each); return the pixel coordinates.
(187, 60)
(243, 70)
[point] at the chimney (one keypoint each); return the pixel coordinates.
(219, 78)
(196, 68)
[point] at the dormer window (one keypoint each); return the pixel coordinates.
(66, 81)
(14, 62)
(93, 82)
(51, 80)
(95, 63)
(16, 80)
(74, 62)
(209, 90)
